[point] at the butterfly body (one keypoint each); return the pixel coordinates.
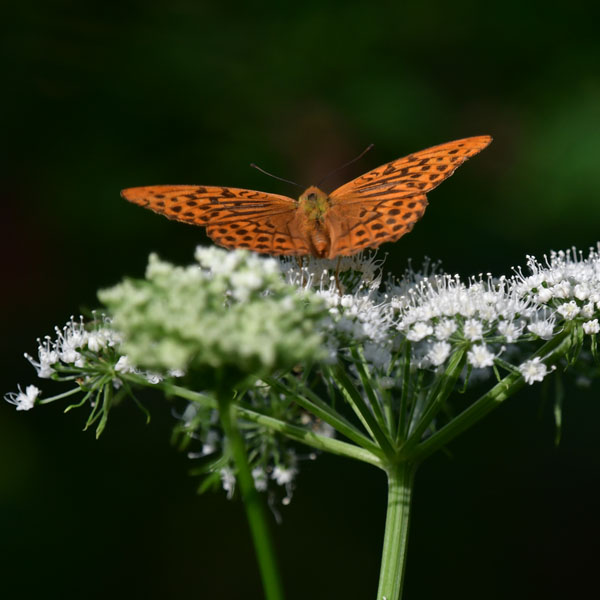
(313, 207)
(379, 206)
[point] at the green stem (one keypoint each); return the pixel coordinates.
(257, 519)
(391, 577)
(320, 442)
(299, 434)
(313, 404)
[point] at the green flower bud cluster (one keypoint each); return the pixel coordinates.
(230, 311)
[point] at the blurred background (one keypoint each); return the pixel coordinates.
(101, 96)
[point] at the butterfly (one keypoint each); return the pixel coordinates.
(379, 206)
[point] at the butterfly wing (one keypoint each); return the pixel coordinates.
(359, 225)
(234, 218)
(385, 203)
(416, 173)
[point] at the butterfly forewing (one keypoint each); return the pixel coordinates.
(414, 174)
(234, 218)
(202, 205)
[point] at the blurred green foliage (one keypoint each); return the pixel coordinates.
(100, 96)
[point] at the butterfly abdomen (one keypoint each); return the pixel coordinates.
(313, 206)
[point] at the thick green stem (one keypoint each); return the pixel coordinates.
(391, 578)
(257, 518)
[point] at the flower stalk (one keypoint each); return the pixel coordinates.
(395, 540)
(253, 504)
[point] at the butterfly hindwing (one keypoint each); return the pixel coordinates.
(356, 226)
(275, 233)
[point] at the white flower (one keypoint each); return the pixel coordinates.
(587, 310)
(480, 357)
(245, 282)
(544, 295)
(377, 355)
(124, 365)
(438, 353)
(228, 481)
(211, 442)
(419, 331)
(176, 373)
(561, 290)
(23, 400)
(581, 291)
(543, 329)
(533, 370)
(473, 330)
(260, 479)
(284, 476)
(153, 378)
(47, 357)
(591, 327)
(444, 329)
(386, 383)
(510, 331)
(569, 310)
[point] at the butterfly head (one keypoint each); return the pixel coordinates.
(314, 202)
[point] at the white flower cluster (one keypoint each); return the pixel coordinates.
(283, 476)
(72, 349)
(74, 352)
(359, 312)
(68, 348)
(232, 309)
(439, 313)
(566, 284)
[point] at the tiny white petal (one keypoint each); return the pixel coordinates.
(543, 329)
(544, 295)
(480, 357)
(23, 400)
(569, 310)
(473, 330)
(124, 366)
(439, 353)
(444, 329)
(587, 310)
(284, 476)
(533, 370)
(419, 331)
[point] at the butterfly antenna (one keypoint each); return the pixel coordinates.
(369, 147)
(274, 176)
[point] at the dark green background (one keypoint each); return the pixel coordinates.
(97, 97)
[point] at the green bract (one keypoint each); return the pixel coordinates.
(232, 310)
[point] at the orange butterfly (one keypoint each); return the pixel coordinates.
(379, 206)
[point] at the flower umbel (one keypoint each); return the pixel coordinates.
(230, 310)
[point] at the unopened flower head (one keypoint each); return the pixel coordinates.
(232, 308)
